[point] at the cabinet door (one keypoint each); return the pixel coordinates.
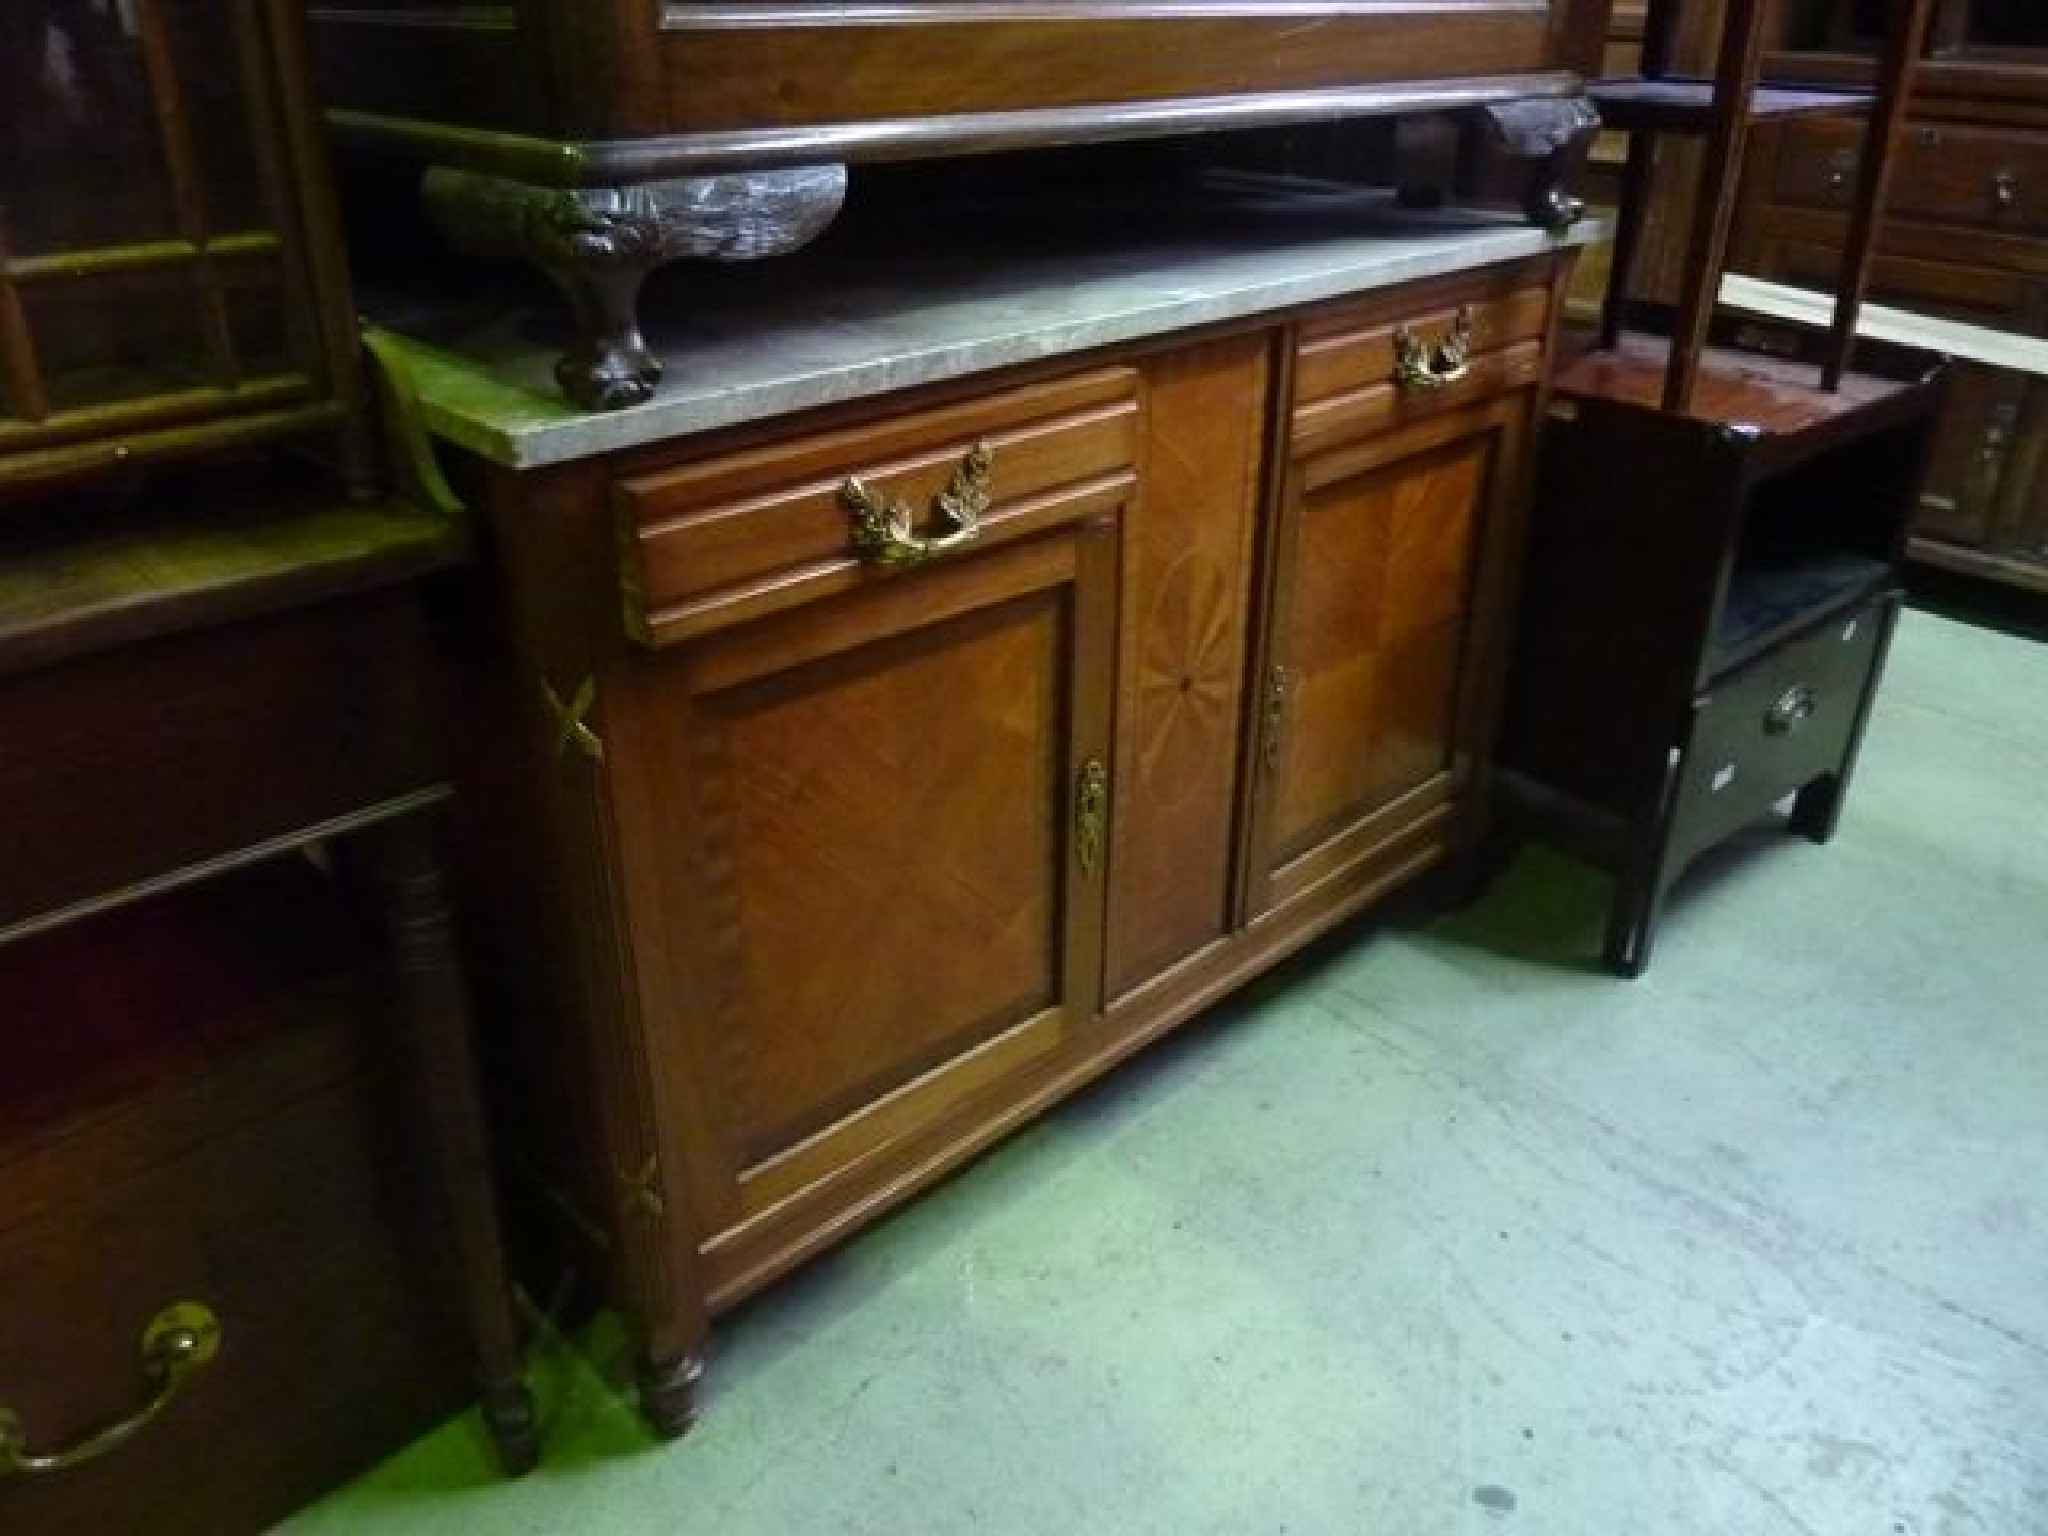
(1380, 657)
(883, 827)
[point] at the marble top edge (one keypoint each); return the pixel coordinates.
(492, 393)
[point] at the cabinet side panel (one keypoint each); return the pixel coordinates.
(1180, 673)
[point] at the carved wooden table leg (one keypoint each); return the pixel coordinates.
(414, 885)
(599, 243)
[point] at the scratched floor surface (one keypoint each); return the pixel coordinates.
(1443, 1231)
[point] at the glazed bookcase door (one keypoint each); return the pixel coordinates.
(1375, 693)
(888, 816)
(167, 276)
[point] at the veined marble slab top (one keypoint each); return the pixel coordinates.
(747, 343)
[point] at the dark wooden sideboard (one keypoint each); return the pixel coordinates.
(601, 138)
(248, 1228)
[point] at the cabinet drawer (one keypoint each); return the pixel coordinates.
(1347, 375)
(123, 764)
(201, 1117)
(748, 533)
(1944, 173)
(1777, 723)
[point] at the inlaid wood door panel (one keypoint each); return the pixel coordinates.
(1369, 716)
(1188, 559)
(883, 895)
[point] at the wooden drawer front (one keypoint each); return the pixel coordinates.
(750, 533)
(1785, 719)
(123, 765)
(1945, 174)
(1345, 364)
(1809, 257)
(200, 1118)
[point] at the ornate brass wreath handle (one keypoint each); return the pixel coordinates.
(1419, 366)
(883, 528)
(178, 1341)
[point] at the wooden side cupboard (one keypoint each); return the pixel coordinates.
(249, 1236)
(853, 786)
(249, 1243)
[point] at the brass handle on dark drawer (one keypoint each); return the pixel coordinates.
(2005, 189)
(882, 528)
(178, 1341)
(1841, 166)
(1419, 366)
(1794, 707)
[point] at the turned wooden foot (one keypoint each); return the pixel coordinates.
(514, 1426)
(668, 1394)
(599, 243)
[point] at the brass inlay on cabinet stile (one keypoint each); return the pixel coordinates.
(572, 724)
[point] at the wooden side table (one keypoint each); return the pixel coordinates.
(249, 1240)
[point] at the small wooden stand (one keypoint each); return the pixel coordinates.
(1720, 519)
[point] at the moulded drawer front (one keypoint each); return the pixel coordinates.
(743, 534)
(278, 1226)
(1779, 722)
(1347, 365)
(1945, 173)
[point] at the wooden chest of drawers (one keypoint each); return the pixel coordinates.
(239, 1099)
(1965, 238)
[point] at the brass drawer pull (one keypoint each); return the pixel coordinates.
(1841, 166)
(882, 527)
(2005, 189)
(1419, 366)
(1794, 707)
(178, 1341)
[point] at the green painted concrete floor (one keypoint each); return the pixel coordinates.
(1441, 1231)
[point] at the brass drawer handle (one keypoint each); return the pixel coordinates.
(2005, 189)
(1794, 707)
(1841, 166)
(1419, 366)
(178, 1341)
(882, 527)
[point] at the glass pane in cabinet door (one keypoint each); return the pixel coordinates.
(119, 336)
(216, 53)
(2008, 24)
(81, 163)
